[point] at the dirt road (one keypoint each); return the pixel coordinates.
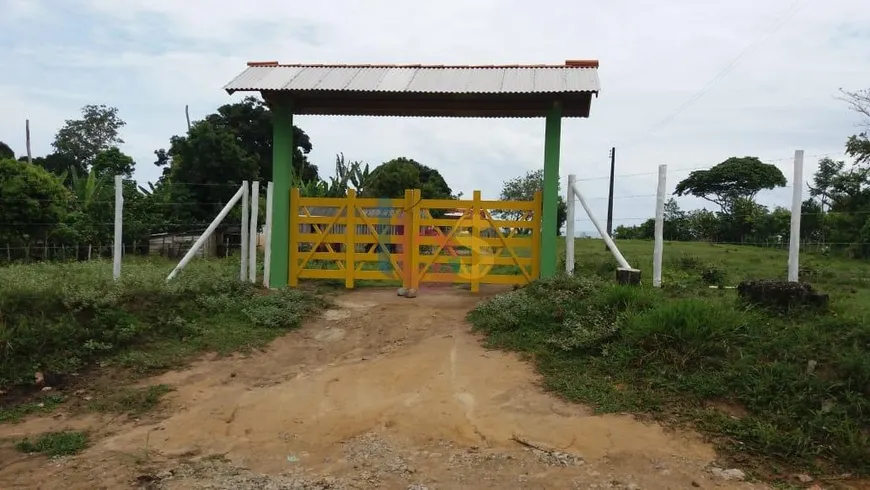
(381, 392)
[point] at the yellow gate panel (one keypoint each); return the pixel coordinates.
(414, 240)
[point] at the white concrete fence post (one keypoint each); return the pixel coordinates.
(660, 226)
(243, 272)
(252, 245)
(569, 228)
(118, 248)
(794, 243)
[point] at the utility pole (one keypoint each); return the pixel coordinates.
(27, 136)
(610, 195)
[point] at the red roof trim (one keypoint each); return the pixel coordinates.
(568, 64)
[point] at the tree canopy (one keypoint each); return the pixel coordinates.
(251, 122)
(34, 201)
(523, 189)
(390, 180)
(728, 182)
(83, 139)
(6, 152)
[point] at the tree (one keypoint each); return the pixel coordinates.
(824, 180)
(6, 152)
(251, 122)
(391, 179)
(858, 146)
(34, 202)
(732, 180)
(58, 163)
(208, 165)
(83, 139)
(523, 189)
(113, 162)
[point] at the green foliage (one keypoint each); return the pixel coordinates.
(6, 152)
(679, 351)
(111, 162)
(55, 443)
(209, 154)
(61, 317)
(251, 122)
(83, 139)
(732, 180)
(523, 189)
(391, 179)
(33, 202)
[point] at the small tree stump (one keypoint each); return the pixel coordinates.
(628, 276)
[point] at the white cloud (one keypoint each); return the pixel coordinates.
(781, 96)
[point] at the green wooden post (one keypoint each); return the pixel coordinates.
(552, 140)
(282, 166)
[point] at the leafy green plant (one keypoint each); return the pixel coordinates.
(55, 443)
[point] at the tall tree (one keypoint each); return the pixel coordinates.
(858, 146)
(97, 130)
(58, 163)
(730, 181)
(523, 189)
(208, 165)
(251, 122)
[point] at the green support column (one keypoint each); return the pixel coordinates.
(282, 166)
(552, 140)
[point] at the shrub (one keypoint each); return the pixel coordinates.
(60, 317)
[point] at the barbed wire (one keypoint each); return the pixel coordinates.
(692, 169)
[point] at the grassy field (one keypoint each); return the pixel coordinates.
(687, 353)
(65, 318)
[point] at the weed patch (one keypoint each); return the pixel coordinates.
(60, 318)
(55, 443)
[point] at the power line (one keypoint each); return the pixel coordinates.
(787, 16)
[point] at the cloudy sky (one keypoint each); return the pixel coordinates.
(151, 57)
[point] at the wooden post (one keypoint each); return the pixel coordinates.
(27, 137)
(290, 247)
(475, 243)
(350, 239)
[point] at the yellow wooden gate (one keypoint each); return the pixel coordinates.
(414, 240)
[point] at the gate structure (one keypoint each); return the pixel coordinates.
(413, 240)
(552, 92)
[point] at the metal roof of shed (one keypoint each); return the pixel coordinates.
(425, 90)
(577, 76)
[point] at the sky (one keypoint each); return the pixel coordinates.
(683, 83)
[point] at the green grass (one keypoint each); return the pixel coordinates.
(55, 443)
(687, 353)
(45, 404)
(65, 317)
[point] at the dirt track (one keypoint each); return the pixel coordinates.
(382, 392)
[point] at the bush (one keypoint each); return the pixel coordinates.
(566, 312)
(60, 317)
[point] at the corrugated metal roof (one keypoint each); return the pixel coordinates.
(572, 77)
